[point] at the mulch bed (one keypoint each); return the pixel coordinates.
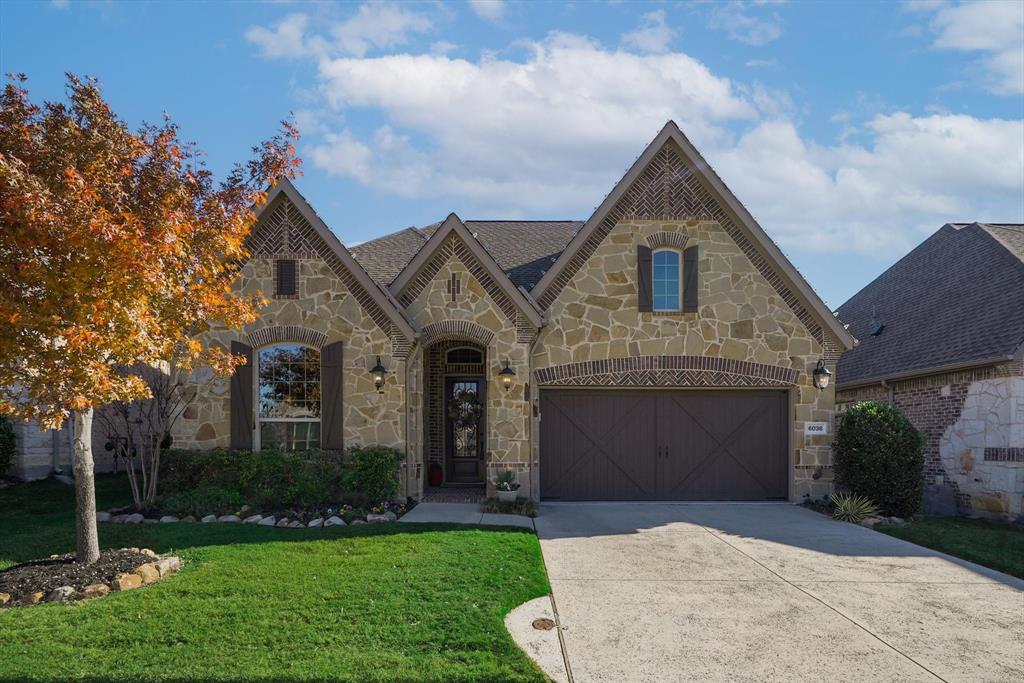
(46, 575)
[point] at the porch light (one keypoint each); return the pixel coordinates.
(821, 376)
(507, 376)
(378, 372)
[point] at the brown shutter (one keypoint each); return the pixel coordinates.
(242, 416)
(286, 280)
(332, 435)
(644, 275)
(691, 283)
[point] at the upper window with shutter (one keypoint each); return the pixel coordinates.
(667, 281)
(286, 278)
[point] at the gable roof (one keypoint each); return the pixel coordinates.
(377, 295)
(522, 249)
(956, 300)
(454, 225)
(693, 191)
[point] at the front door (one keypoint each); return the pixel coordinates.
(465, 408)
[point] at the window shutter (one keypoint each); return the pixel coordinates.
(286, 282)
(332, 435)
(691, 283)
(242, 416)
(644, 275)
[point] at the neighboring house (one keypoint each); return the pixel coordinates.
(662, 350)
(941, 336)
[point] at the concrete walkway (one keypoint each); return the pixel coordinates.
(461, 513)
(734, 592)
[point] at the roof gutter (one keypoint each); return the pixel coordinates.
(934, 370)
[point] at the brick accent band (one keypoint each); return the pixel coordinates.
(667, 239)
(456, 329)
(1011, 454)
(683, 371)
(287, 333)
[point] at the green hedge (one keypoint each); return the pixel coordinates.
(878, 454)
(194, 482)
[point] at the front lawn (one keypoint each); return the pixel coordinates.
(990, 544)
(390, 602)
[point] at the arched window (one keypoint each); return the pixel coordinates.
(288, 397)
(464, 355)
(667, 280)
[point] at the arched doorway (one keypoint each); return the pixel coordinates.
(455, 412)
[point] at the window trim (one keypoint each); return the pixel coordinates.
(447, 353)
(681, 279)
(257, 418)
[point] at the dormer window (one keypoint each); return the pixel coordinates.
(286, 278)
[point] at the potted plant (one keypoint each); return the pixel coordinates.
(506, 485)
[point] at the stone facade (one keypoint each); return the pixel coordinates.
(973, 425)
(741, 319)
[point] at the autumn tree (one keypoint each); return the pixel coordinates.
(117, 248)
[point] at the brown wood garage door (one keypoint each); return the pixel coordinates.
(650, 444)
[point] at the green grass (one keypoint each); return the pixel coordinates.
(365, 603)
(991, 544)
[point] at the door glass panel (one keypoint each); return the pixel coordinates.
(464, 411)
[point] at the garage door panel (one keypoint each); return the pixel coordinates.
(663, 445)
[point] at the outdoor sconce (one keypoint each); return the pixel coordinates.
(378, 372)
(821, 376)
(507, 376)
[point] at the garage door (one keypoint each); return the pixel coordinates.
(644, 444)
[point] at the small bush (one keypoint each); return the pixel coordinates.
(520, 506)
(375, 472)
(8, 444)
(203, 501)
(878, 454)
(849, 507)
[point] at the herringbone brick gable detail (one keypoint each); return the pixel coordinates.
(670, 189)
(283, 232)
(454, 246)
(686, 371)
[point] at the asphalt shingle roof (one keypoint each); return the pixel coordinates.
(957, 298)
(523, 249)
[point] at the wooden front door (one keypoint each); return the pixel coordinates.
(611, 444)
(464, 416)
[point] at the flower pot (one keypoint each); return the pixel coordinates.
(507, 496)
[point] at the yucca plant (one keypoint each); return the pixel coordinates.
(850, 507)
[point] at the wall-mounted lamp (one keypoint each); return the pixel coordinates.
(507, 376)
(379, 373)
(821, 376)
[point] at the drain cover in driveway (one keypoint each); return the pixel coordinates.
(543, 624)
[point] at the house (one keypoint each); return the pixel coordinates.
(942, 338)
(663, 349)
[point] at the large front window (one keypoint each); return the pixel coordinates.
(667, 279)
(289, 397)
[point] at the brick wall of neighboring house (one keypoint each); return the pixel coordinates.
(973, 425)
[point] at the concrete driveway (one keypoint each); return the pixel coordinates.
(733, 592)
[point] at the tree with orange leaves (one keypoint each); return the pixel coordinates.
(117, 249)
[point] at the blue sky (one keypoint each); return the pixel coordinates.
(850, 130)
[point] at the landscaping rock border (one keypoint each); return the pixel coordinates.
(284, 520)
(146, 574)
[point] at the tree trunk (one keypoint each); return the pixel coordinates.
(88, 550)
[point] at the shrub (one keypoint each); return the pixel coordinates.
(8, 444)
(375, 472)
(202, 501)
(520, 506)
(849, 507)
(878, 454)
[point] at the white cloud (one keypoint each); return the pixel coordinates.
(742, 26)
(374, 25)
(653, 35)
(489, 10)
(995, 28)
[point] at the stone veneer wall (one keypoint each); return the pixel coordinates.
(972, 421)
(325, 309)
(507, 412)
(741, 318)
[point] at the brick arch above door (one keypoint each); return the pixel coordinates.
(676, 371)
(278, 334)
(445, 330)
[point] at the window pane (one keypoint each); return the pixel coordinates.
(666, 281)
(290, 436)
(289, 381)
